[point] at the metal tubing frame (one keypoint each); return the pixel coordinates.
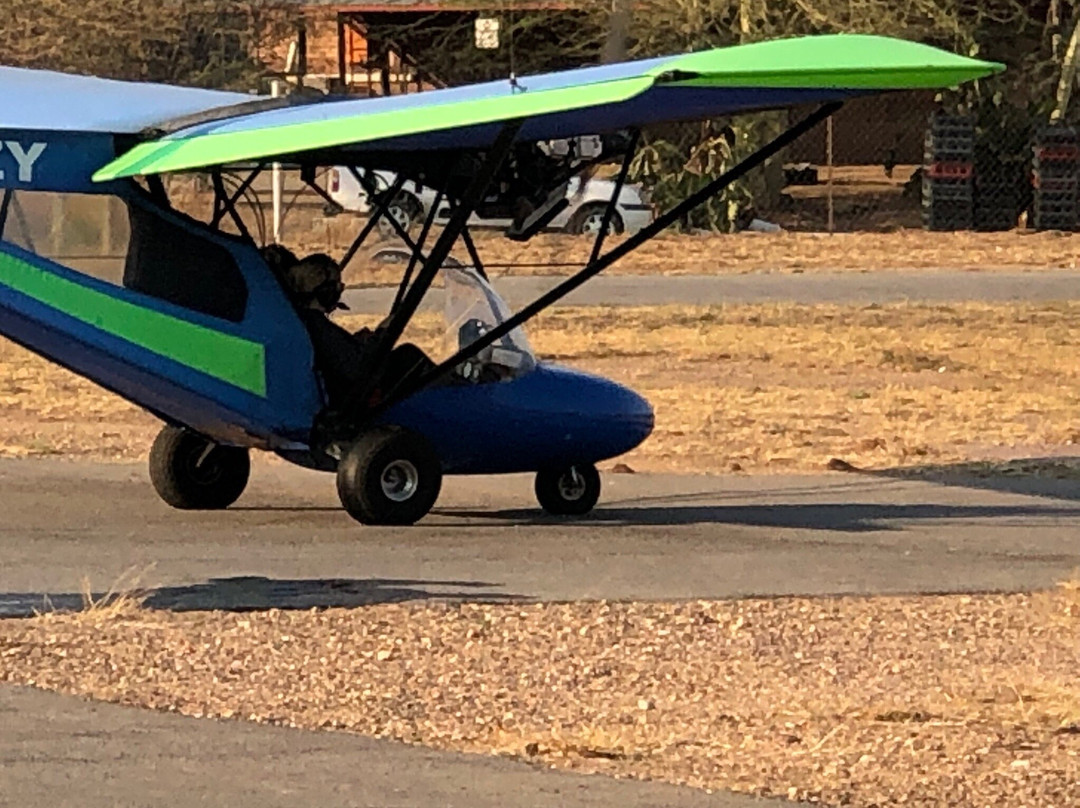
(381, 208)
(474, 254)
(222, 206)
(229, 203)
(308, 178)
(418, 254)
(613, 203)
(616, 253)
(346, 422)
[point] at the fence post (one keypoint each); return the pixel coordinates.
(829, 172)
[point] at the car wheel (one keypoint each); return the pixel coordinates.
(191, 472)
(572, 491)
(590, 218)
(389, 476)
(406, 210)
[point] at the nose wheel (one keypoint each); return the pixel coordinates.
(389, 476)
(571, 491)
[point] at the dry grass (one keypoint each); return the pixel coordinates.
(957, 700)
(755, 388)
(744, 253)
(48, 411)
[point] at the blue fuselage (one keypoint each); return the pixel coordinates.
(549, 418)
(119, 337)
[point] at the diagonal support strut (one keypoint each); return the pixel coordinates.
(599, 265)
(346, 421)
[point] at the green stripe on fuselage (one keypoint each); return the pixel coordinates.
(231, 359)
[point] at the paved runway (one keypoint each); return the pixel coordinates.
(288, 545)
(944, 286)
(57, 751)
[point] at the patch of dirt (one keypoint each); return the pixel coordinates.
(958, 700)
(760, 387)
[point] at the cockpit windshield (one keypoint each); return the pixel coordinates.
(473, 308)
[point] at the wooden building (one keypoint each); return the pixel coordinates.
(349, 47)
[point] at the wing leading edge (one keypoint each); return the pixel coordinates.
(46, 101)
(698, 85)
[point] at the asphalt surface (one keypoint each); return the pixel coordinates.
(57, 751)
(288, 545)
(937, 286)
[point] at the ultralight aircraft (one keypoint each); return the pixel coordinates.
(202, 334)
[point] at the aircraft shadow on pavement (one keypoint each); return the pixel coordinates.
(256, 593)
(1049, 477)
(846, 517)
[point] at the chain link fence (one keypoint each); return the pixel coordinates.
(905, 161)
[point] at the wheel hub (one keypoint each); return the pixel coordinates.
(593, 223)
(572, 485)
(203, 465)
(399, 480)
(399, 214)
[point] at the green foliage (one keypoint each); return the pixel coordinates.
(681, 162)
(675, 164)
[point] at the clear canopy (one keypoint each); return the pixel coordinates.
(473, 308)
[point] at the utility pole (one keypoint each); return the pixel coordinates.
(617, 46)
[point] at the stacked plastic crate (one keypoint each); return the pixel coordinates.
(949, 173)
(1057, 170)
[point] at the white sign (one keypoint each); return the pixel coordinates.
(24, 158)
(487, 33)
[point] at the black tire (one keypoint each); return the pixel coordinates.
(580, 222)
(407, 209)
(191, 472)
(389, 476)
(572, 491)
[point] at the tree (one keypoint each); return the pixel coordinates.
(209, 43)
(677, 159)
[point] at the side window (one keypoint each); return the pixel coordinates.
(84, 232)
(128, 244)
(176, 264)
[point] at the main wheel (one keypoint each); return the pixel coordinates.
(572, 491)
(390, 476)
(191, 472)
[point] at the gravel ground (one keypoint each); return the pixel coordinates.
(965, 701)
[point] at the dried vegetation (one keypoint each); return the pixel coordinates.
(958, 700)
(755, 388)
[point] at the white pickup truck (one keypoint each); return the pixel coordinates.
(584, 214)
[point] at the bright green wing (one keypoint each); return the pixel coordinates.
(722, 82)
